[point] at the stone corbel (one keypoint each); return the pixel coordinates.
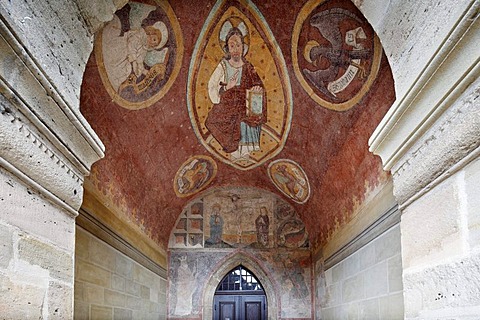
(432, 131)
(43, 139)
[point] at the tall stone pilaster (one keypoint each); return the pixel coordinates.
(46, 149)
(430, 141)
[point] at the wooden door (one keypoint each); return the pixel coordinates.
(239, 307)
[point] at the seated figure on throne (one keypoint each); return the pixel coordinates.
(238, 97)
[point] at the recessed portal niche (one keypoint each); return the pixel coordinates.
(231, 227)
(239, 296)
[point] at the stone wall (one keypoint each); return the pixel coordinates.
(411, 33)
(429, 140)
(110, 285)
(59, 37)
(36, 260)
(365, 285)
(46, 148)
(442, 259)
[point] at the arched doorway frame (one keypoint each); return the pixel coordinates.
(225, 266)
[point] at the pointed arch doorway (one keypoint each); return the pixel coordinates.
(240, 296)
(229, 264)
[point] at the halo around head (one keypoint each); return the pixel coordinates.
(308, 48)
(159, 25)
(234, 22)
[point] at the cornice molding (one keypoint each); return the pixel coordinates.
(443, 80)
(385, 222)
(43, 140)
(449, 145)
(42, 104)
(106, 215)
(28, 155)
(94, 226)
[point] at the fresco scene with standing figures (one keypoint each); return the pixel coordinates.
(228, 221)
(239, 218)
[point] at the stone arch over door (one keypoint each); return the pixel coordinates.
(226, 266)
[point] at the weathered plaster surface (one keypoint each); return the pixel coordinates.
(199, 250)
(239, 218)
(288, 271)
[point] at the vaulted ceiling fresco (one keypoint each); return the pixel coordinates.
(274, 96)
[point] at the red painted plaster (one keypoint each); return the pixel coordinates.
(145, 148)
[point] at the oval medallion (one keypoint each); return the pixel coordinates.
(139, 53)
(290, 179)
(194, 175)
(335, 52)
(239, 96)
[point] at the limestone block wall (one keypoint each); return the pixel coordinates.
(442, 258)
(367, 284)
(429, 140)
(46, 148)
(36, 254)
(436, 184)
(110, 285)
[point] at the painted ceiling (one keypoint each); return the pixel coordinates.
(274, 96)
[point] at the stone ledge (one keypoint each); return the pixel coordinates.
(104, 233)
(382, 224)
